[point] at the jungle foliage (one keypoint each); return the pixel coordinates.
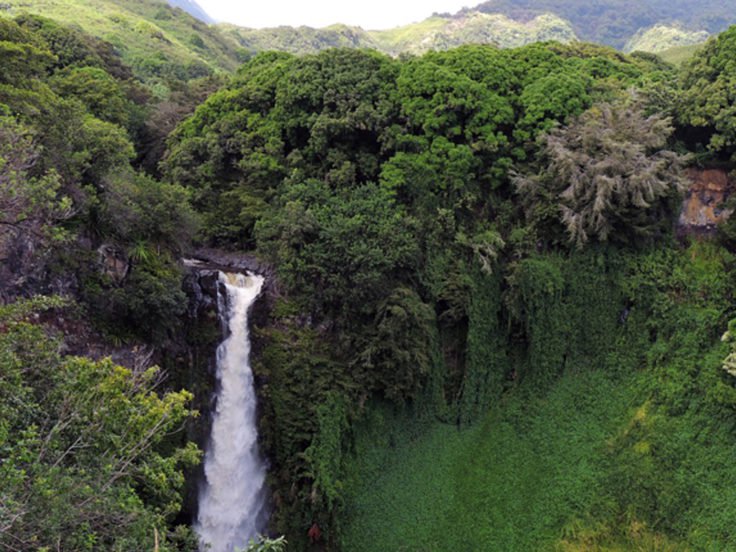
(414, 270)
(84, 462)
(71, 112)
(90, 456)
(474, 256)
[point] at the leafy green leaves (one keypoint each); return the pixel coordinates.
(81, 442)
(708, 93)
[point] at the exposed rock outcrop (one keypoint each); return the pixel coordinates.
(114, 263)
(704, 205)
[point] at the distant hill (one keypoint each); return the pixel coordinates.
(438, 33)
(434, 33)
(193, 9)
(171, 40)
(661, 38)
(614, 22)
(628, 25)
(299, 40)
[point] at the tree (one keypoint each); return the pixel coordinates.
(708, 85)
(342, 248)
(81, 440)
(29, 206)
(608, 175)
(23, 56)
(265, 544)
(100, 93)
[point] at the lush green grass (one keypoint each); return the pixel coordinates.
(511, 483)
(680, 54)
(547, 473)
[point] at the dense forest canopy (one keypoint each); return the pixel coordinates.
(479, 307)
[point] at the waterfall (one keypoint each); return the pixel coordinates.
(231, 501)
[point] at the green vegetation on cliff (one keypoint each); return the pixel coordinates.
(627, 450)
(462, 237)
(86, 462)
(89, 457)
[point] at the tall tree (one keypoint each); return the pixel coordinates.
(608, 175)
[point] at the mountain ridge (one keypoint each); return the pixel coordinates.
(654, 26)
(193, 9)
(161, 37)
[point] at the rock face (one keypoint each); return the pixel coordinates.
(704, 205)
(114, 263)
(228, 261)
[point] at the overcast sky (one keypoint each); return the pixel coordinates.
(369, 14)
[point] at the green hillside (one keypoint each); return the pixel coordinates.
(437, 33)
(434, 33)
(652, 26)
(163, 43)
(159, 42)
(299, 40)
(680, 54)
(660, 38)
(614, 22)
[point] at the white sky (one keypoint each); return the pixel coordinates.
(369, 14)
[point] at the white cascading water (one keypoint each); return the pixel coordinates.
(231, 501)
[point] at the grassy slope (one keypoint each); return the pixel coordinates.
(148, 33)
(510, 483)
(680, 54)
(528, 478)
(661, 38)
